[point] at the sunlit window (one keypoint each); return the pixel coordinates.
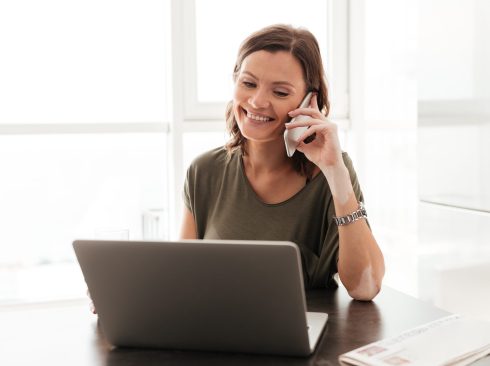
(67, 67)
(57, 188)
(94, 141)
(217, 42)
(82, 61)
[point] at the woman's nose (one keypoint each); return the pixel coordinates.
(259, 99)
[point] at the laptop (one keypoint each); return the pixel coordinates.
(210, 295)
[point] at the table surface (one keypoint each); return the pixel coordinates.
(66, 333)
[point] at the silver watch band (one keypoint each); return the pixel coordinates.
(360, 213)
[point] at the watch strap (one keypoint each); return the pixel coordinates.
(360, 213)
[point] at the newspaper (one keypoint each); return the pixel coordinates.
(453, 341)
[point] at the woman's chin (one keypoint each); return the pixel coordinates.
(256, 136)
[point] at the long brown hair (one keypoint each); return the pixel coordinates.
(303, 45)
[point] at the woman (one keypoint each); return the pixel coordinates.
(250, 189)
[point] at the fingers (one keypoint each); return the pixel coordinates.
(307, 122)
(309, 132)
(311, 112)
(325, 129)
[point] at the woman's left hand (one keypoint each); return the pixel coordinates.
(324, 151)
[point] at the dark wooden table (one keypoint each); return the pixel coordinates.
(67, 334)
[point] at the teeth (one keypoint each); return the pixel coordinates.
(258, 118)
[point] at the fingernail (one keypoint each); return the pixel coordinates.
(290, 113)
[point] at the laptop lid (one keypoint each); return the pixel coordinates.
(238, 296)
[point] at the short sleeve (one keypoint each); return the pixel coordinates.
(355, 182)
(353, 177)
(186, 193)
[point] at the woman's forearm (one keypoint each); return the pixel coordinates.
(361, 263)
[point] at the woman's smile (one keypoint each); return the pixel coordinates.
(269, 85)
(257, 117)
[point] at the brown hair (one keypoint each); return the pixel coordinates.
(303, 45)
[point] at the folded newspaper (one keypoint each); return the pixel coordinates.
(453, 341)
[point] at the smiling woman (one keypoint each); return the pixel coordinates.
(250, 189)
(291, 72)
(262, 79)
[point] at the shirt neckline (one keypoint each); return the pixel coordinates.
(255, 195)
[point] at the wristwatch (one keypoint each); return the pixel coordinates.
(360, 213)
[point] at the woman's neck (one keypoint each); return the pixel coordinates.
(266, 157)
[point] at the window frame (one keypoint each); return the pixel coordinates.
(336, 64)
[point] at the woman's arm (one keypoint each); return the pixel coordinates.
(361, 264)
(188, 227)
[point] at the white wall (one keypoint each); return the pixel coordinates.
(454, 158)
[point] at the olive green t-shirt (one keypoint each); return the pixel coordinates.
(225, 206)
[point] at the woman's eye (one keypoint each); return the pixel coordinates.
(248, 84)
(281, 93)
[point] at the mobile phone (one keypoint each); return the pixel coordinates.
(291, 135)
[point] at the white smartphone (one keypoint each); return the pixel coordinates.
(291, 135)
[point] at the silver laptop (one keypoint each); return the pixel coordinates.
(236, 296)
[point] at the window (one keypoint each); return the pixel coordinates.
(83, 134)
(213, 46)
(453, 104)
(104, 105)
(57, 188)
(95, 61)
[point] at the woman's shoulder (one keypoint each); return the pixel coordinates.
(349, 163)
(213, 159)
(353, 175)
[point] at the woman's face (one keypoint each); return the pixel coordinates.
(268, 86)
